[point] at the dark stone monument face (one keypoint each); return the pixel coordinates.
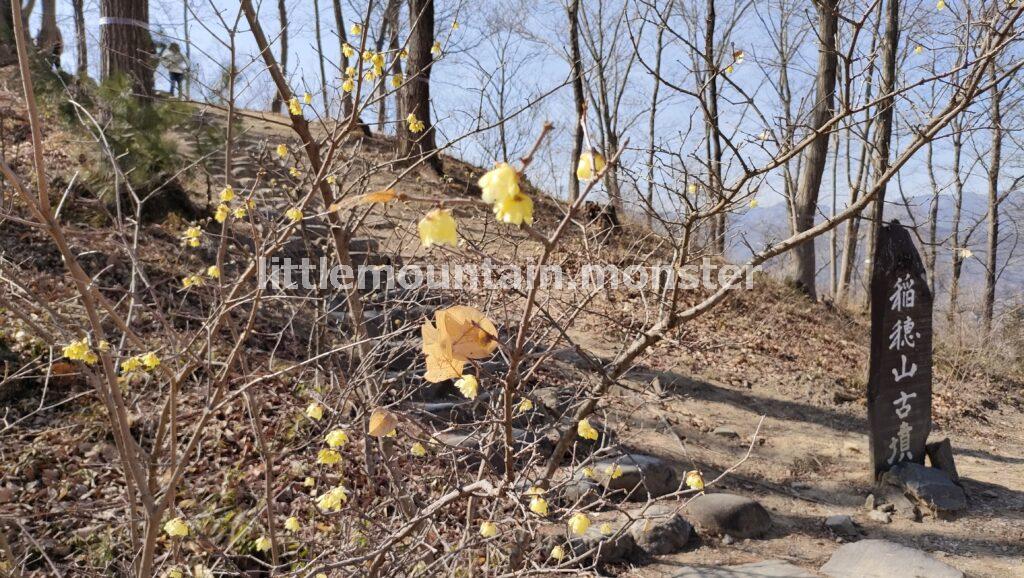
(900, 374)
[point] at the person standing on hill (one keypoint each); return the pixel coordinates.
(177, 66)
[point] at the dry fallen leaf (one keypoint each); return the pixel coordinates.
(381, 196)
(382, 422)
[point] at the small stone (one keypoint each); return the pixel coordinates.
(879, 516)
(931, 487)
(728, 540)
(720, 514)
(726, 432)
(842, 525)
(869, 503)
(879, 558)
(661, 530)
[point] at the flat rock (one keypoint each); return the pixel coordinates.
(765, 569)
(842, 525)
(884, 559)
(931, 487)
(719, 514)
(640, 476)
(661, 530)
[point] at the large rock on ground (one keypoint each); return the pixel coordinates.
(931, 487)
(661, 530)
(636, 476)
(606, 549)
(721, 514)
(884, 559)
(765, 569)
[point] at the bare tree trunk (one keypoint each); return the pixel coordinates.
(816, 154)
(282, 61)
(958, 200)
(932, 250)
(994, 167)
(416, 90)
(126, 47)
(49, 41)
(81, 46)
(577, 96)
(390, 18)
(714, 146)
(652, 118)
(886, 104)
(320, 56)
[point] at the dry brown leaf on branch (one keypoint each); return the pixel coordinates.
(462, 333)
(382, 422)
(381, 196)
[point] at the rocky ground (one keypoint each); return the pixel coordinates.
(766, 396)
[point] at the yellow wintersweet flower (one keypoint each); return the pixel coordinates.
(525, 405)
(192, 281)
(79, 351)
(213, 272)
(294, 172)
(282, 150)
(356, 29)
(396, 80)
(378, 62)
(578, 523)
(729, 69)
(222, 213)
(558, 553)
(467, 386)
(515, 209)
(328, 457)
(315, 412)
(455, 25)
(614, 471)
(403, 54)
(307, 98)
(309, 482)
(227, 194)
(539, 506)
(294, 107)
(585, 430)
(131, 364)
(418, 450)
(753, 203)
(367, 55)
(488, 529)
(918, 49)
(347, 50)
(588, 472)
(438, 228)
(694, 480)
(292, 524)
(294, 214)
(606, 529)
(350, 71)
(262, 544)
(331, 179)
(336, 438)
(174, 573)
(240, 213)
(176, 528)
(436, 48)
(940, 4)
(499, 183)
(332, 499)
(415, 124)
(590, 165)
(151, 360)
(193, 236)
(348, 85)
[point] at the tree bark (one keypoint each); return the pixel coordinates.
(991, 265)
(886, 104)
(577, 96)
(416, 90)
(816, 154)
(958, 200)
(282, 61)
(49, 41)
(713, 130)
(126, 47)
(81, 46)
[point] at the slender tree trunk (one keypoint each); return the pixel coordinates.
(652, 117)
(714, 146)
(416, 91)
(994, 167)
(886, 104)
(347, 102)
(186, 14)
(282, 16)
(49, 41)
(816, 154)
(958, 202)
(577, 96)
(81, 45)
(931, 252)
(320, 56)
(126, 47)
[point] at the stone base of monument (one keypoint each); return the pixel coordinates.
(930, 489)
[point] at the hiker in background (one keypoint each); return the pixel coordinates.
(177, 66)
